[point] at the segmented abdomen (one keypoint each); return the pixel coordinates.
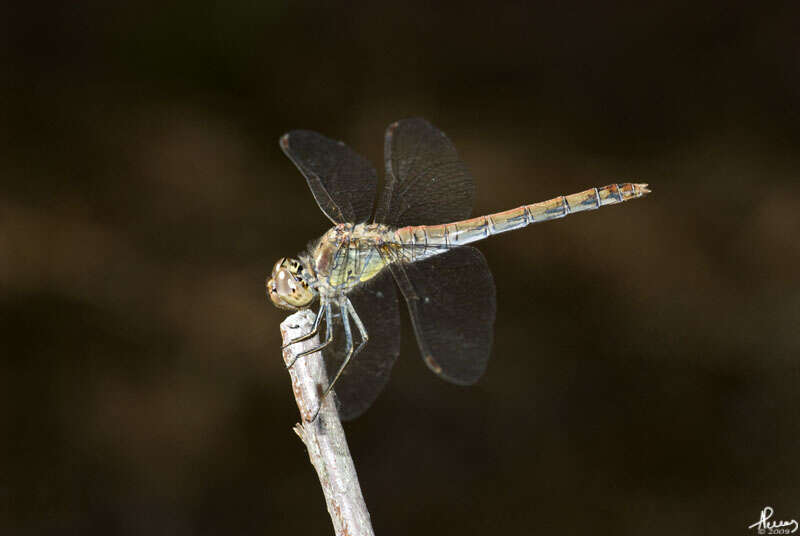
(429, 240)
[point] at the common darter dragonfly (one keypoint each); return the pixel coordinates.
(417, 240)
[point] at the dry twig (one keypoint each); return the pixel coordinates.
(324, 438)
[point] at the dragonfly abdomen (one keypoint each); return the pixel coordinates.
(430, 239)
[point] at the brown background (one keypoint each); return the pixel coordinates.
(644, 377)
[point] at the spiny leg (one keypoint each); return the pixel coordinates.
(328, 335)
(313, 332)
(359, 325)
(347, 311)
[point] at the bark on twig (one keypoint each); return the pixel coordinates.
(324, 438)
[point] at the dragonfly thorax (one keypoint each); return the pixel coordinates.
(348, 255)
(291, 285)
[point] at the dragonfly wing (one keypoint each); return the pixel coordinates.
(451, 300)
(367, 373)
(426, 182)
(343, 182)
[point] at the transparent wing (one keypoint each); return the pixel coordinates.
(367, 374)
(343, 183)
(451, 301)
(426, 181)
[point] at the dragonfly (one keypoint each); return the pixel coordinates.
(416, 239)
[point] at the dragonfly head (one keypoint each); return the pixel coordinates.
(289, 287)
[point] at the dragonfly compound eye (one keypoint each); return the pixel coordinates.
(288, 291)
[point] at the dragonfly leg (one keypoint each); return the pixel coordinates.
(359, 325)
(314, 330)
(328, 335)
(347, 311)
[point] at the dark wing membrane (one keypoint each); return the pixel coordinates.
(367, 374)
(426, 181)
(451, 300)
(343, 183)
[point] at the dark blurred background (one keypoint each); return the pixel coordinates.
(644, 377)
